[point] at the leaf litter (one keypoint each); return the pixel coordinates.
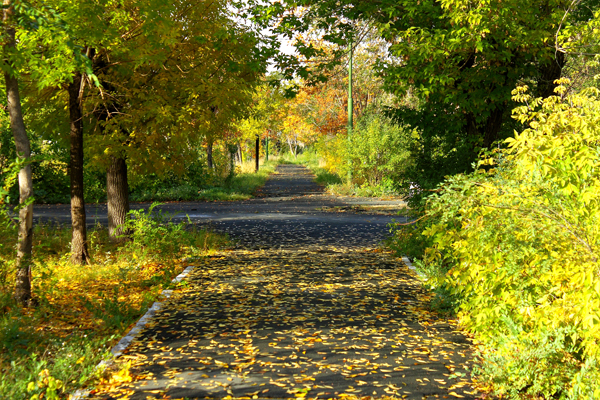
(322, 322)
(298, 308)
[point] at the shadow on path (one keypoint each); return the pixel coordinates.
(301, 308)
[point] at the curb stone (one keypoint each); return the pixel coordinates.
(407, 262)
(126, 340)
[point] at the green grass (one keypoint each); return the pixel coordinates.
(239, 187)
(52, 349)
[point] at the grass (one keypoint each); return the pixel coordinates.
(52, 349)
(333, 182)
(240, 186)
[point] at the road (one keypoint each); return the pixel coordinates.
(306, 304)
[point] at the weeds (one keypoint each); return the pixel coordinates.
(51, 350)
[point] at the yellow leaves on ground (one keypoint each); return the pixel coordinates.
(75, 293)
(298, 324)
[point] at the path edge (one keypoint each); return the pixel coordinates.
(126, 340)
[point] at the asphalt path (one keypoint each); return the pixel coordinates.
(291, 191)
(306, 304)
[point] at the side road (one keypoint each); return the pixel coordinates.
(281, 195)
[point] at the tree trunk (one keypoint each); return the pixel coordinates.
(489, 131)
(240, 154)
(257, 151)
(209, 155)
(292, 148)
(492, 127)
(267, 148)
(22, 292)
(79, 249)
(117, 191)
(550, 72)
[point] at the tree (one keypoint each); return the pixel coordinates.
(162, 68)
(460, 58)
(266, 115)
(30, 23)
(23, 280)
(79, 248)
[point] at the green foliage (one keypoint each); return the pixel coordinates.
(437, 148)
(53, 349)
(377, 151)
(199, 184)
(376, 154)
(64, 364)
(516, 243)
(458, 60)
(152, 236)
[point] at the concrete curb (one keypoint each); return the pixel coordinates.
(406, 261)
(126, 340)
(421, 275)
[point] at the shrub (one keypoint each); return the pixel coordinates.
(516, 243)
(376, 154)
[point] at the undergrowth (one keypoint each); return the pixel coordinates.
(238, 186)
(52, 349)
(513, 249)
(338, 185)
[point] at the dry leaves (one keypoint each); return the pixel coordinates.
(298, 324)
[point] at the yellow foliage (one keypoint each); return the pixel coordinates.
(522, 241)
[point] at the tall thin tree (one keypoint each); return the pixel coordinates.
(79, 248)
(22, 291)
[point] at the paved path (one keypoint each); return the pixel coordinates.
(305, 305)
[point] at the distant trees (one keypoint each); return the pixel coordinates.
(458, 59)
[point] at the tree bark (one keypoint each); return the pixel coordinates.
(267, 148)
(293, 148)
(22, 291)
(117, 191)
(489, 131)
(492, 127)
(79, 248)
(209, 155)
(240, 154)
(550, 72)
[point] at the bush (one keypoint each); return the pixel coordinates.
(376, 155)
(516, 243)
(154, 236)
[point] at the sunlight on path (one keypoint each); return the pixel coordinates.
(310, 320)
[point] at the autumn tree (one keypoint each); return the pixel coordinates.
(46, 62)
(461, 59)
(22, 283)
(265, 117)
(159, 66)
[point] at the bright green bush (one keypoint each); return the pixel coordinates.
(377, 151)
(153, 236)
(516, 243)
(376, 154)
